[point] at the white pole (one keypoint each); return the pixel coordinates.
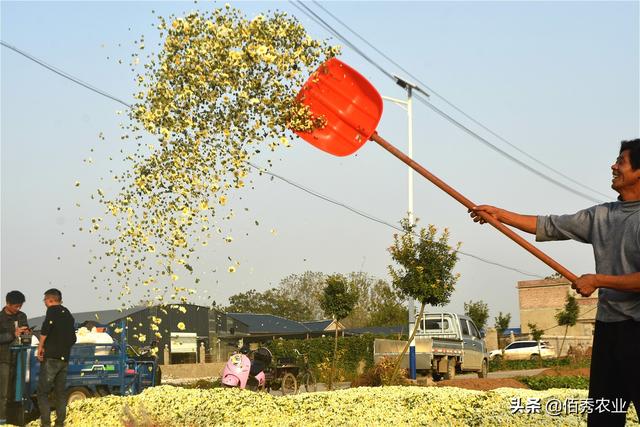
(412, 309)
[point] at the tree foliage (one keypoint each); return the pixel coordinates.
(502, 322)
(569, 315)
(338, 299)
(387, 306)
(298, 298)
(307, 289)
(478, 312)
(272, 301)
(536, 333)
(425, 270)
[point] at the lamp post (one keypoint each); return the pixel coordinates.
(408, 107)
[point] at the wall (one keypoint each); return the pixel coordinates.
(192, 370)
(540, 300)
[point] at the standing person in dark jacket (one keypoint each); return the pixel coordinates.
(13, 323)
(57, 336)
(613, 229)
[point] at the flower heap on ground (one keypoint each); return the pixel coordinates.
(221, 89)
(166, 405)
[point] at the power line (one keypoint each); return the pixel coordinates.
(63, 74)
(378, 220)
(504, 153)
(311, 14)
(263, 170)
(455, 107)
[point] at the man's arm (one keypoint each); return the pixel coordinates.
(526, 223)
(40, 353)
(588, 283)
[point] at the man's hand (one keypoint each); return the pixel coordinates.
(21, 330)
(586, 284)
(475, 212)
(40, 354)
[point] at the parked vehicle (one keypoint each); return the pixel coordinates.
(523, 350)
(446, 344)
(241, 371)
(94, 370)
(291, 374)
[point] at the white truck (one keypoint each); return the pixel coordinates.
(446, 344)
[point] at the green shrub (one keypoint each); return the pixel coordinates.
(547, 382)
(512, 365)
(352, 349)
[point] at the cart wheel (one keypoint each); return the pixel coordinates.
(78, 393)
(308, 381)
(289, 384)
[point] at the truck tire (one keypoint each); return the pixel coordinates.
(451, 369)
(78, 393)
(484, 370)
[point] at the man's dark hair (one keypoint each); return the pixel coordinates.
(633, 145)
(54, 293)
(15, 297)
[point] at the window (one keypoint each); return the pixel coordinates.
(435, 324)
(474, 330)
(464, 327)
(522, 344)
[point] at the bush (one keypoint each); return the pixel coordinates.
(381, 374)
(352, 351)
(511, 365)
(547, 382)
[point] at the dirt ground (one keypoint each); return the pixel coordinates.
(491, 383)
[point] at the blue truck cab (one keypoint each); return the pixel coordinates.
(94, 370)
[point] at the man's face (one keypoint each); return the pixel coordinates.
(12, 308)
(49, 301)
(624, 176)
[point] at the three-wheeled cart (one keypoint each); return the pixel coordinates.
(94, 370)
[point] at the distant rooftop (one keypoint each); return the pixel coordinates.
(269, 324)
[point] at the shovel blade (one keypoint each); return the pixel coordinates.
(349, 103)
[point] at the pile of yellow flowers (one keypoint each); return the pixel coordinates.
(171, 406)
(221, 89)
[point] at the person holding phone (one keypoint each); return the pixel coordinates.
(13, 323)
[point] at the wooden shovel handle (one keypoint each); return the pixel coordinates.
(469, 205)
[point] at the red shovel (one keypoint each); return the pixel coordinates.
(352, 108)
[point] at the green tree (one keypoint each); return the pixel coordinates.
(337, 301)
(306, 288)
(425, 271)
(387, 306)
(272, 301)
(536, 334)
(378, 303)
(478, 312)
(568, 317)
(501, 324)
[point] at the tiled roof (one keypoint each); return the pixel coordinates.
(269, 324)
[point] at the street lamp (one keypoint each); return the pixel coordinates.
(408, 107)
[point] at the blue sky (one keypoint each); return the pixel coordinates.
(558, 79)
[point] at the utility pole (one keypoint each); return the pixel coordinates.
(408, 107)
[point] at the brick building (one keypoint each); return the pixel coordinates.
(539, 302)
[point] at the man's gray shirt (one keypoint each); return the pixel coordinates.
(613, 229)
